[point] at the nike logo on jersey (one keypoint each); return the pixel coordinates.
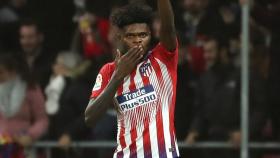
(137, 98)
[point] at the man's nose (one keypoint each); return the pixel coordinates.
(137, 40)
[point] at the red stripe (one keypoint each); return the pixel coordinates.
(133, 119)
(122, 139)
(132, 86)
(133, 132)
(122, 129)
(146, 141)
(173, 76)
(146, 132)
(120, 89)
(120, 154)
(160, 132)
(132, 147)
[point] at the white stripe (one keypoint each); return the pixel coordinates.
(138, 78)
(153, 125)
(167, 94)
(126, 115)
(126, 83)
(139, 143)
(177, 149)
(126, 151)
(119, 148)
(153, 139)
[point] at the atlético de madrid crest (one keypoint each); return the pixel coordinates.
(145, 69)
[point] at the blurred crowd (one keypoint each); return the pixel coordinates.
(52, 50)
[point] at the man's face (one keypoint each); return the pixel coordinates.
(30, 39)
(210, 52)
(135, 35)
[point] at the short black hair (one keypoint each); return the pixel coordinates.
(30, 22)
(131, 14)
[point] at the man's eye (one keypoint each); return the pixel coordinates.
(129, 36)
(143, 35)
(140, 35)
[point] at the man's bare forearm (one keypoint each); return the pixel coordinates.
(167, 31)
(97, 107)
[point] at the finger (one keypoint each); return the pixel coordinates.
(139, 59)
(118, 55)
(141, 49)
(137, 54)
(132, 52)
(136, 57)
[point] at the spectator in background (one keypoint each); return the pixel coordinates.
(218, 103)
(266, 14)
(91, 37)
(22, 114)
(63, 107)
(217, 89)
(61, 79)
(38, 57)
(186, 87)
(105, 128)
(71, 115)
(198, 19)
(210, 53)
(230, 13)
(259, 97)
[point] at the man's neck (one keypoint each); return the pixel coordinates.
(31, 56)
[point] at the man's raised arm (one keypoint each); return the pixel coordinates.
(167, 30)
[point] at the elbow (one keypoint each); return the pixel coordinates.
(93, 114)
(89, 114)
(91, 118)
(88, 120)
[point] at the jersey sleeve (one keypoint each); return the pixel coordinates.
(101, 81)
(166, 56)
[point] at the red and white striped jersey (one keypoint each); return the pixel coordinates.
(146, 101)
